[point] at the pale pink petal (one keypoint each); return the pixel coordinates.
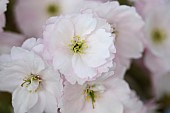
(82, 28)
(98, 48)
(82, 70)
(23, 101)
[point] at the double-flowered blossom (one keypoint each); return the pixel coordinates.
(126, 25)
(80, 46)
(35, 86)
(31, 15)
(109, 95)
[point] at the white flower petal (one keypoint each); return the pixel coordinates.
(62, 59)
(29, 57)
(23, 101)
(98, 48)
(40, 105)
(53, 83)
(82, 70)
(84, 27)
(51, 103)
(105, 105)
(10, 80)
(70, 96)
(29, 43)
(60, 35)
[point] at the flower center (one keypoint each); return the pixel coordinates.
(32, 82)
(92, 92)
(52, 9)
(77, 45)
(158, 36)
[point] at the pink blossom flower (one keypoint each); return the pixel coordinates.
(80, 45)
(126, 25)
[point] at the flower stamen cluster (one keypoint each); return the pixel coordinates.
(32, 78)
(77, 45)
(92, 92)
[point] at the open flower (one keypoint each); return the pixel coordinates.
(80, 46)
(157, 35)
(157, 31)
(31, 15)
(35, 86)
(126, 24)
(110, 95)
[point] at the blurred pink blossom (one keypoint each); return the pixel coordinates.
(8, 40)
(31, 15)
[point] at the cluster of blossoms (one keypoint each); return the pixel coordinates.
(82, 49)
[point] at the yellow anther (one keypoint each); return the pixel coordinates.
(77, 45)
